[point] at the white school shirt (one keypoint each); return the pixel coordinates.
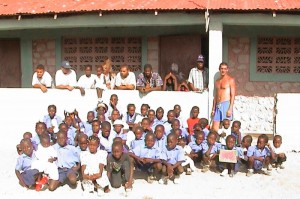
(130, 79)
(46, 79)
(102, 85)
(65, 79)
(44, 153)
(87, 82)
(227, 131)
(92, 161)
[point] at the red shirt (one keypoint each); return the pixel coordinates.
(191, 122)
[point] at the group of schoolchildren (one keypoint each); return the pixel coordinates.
(107, 149)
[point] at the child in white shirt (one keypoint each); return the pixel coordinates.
(189, 162)
(224, 131)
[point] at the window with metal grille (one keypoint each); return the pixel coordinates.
(95, 50)
(278, 55)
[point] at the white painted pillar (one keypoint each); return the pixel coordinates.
(215, 57)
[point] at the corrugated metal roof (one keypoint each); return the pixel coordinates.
(32, 7)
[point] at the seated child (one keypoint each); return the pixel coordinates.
(119, 167)
(224, 131)
(106, 136)
(243, 161)
(125, 148)
(44, 159)
(259, 156)
(88, 124)
(229, 167)
(52, 121)
(210, 151)
(188, 164)
(235, 131)
(93, 162)
(144, 110)
(26, 175)
(161, 140)
(40, 128)
(131, 117)
(139, 139)
(196, 146)
(147, 157)
(193, 119)
(119, 132)
(26, 135)
(82, 142)
(146, 125)
(204, 126)
(279, 152)
(67, 167)
(172, 158)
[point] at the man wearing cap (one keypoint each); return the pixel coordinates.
(198, 77)
(149, 81)
(65, 78)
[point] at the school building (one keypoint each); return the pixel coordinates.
(259, 40)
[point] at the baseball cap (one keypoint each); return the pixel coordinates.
(200, 58)
(66, 64)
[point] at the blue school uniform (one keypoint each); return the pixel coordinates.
(161, 144)
(173, 156)
(71, 135)
(256, 152)
(87, 127)
(196, 147)
(168, 127)
(122, 135)
(47, 120)
(67, 156)
(143, 151)
(135, 143)
(157, 122)
(215, 149)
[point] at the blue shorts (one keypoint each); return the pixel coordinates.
(63, 174)
(220, 111)
(29, 176)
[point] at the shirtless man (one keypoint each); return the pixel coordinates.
(224, 95)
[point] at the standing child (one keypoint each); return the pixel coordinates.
(119, 167)
(193, 119)
(26, 175)
(147, 157)
(280, 156)
(92, 168)
(210, 151)
(172, 158)
(235, 131)
(259, 156)
(188, 163)
(224, 131)
(204, 126)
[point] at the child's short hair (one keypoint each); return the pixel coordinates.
(149, 134)
(230, 137)
(264, 136)
(94, 138)
(146, 119)
(51, 106)
(40, 123)
(237, 122)
(45, 137)
(104, 124)
(197, 133)
(226, 120)
(130, 105)
(117, 139)
(277, 137)
(88, 66)
(247, 138)
(212, 133)
(146, 105)
(195, 108)
(115, 144)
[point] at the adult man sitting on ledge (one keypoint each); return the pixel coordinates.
(65, 78)
(125, 80)
(148, 81)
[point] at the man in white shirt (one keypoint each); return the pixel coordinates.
(125, 79)
(198, 77)
(65, 78)
(88, 80)
(41, 78)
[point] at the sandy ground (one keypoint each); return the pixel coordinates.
(285, 184)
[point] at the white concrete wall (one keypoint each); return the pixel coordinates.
(20, 109)
(287, 119)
